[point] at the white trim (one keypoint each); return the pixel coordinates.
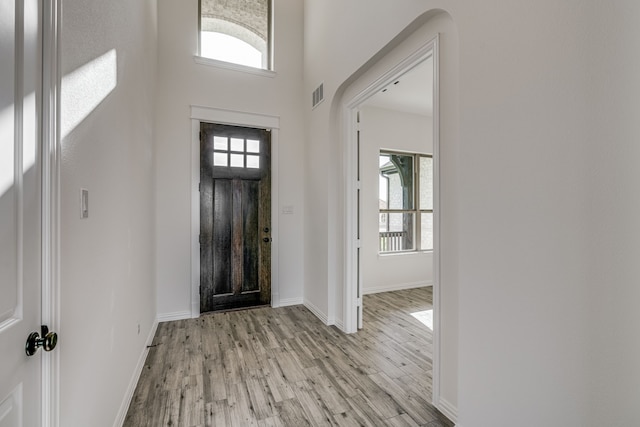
(349, 112)
(437, 348)
(286, 302)
(234, 118)
(50, 146)
(351, 285)
(395, 287)
(447, 409)
(317, 312)
(195, 216)
(231, 66)
(331, 316)
(124, 406)
(176, 315)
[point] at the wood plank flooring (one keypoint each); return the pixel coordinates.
(283, 367)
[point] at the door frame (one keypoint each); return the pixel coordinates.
(234, 118)
(50, 149)
(352, 278)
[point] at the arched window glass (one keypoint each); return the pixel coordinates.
(236, 31)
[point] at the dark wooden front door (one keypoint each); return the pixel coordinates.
(235, 217)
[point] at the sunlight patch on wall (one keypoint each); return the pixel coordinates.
(7, 158)
(85, 88)
(7, 141)
(425, 317)
(29, 133)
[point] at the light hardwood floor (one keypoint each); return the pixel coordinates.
(283, 367)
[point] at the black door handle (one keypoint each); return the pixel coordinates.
(47, 342)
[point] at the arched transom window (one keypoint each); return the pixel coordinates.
(236, 31)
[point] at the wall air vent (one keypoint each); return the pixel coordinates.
(318, 96)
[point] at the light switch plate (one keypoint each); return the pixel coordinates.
(84, 203)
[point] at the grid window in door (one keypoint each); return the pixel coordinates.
(236, 152)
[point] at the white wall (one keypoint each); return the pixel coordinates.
(612, 236)
(181, 83)
(391, 130)
(106, 261)
(543, 251)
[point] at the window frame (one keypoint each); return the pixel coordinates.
(416, 210)
(268, 71)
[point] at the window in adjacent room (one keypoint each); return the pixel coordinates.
(236, 31)
(406, 202)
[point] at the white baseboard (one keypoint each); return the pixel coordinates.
(448, 410)
(339, 324)
(286, 302)
(195, 310)
(316, 311)
(176, 315)
(395, 287)
(124, 407)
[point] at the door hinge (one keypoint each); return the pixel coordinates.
(358, 243)
(199, 186)
(200, 238)
(200, 135)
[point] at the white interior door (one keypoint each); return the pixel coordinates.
(20, 212)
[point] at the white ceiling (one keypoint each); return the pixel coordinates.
(413, 92)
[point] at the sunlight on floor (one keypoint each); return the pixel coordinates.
(425, 317)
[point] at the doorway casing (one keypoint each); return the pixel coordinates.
(353, 287)
(50, 181)
(234, 118)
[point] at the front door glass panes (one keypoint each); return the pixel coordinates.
(236, 152)
(253, 162)
(220, 159)
(253, 146)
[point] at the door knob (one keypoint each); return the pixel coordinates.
(266, 229)
(266, 239)
(48, 341)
